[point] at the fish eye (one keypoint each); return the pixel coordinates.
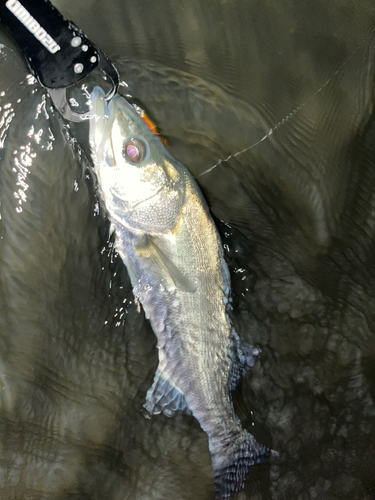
(134, 150)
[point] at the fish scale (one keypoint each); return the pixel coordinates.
(173, 253)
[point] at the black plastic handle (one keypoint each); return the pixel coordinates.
(58, 53)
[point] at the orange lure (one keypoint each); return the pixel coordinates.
(151, 125)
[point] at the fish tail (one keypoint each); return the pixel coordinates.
(231, 463)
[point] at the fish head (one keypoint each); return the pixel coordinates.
(141, 184)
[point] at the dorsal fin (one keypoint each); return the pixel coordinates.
(243, 358)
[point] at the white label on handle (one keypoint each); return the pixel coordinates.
(24, 16)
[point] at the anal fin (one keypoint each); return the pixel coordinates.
(164, 397)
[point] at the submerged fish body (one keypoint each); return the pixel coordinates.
(173, 254)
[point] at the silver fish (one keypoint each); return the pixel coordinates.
(173, 254)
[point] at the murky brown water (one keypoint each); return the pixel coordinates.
(290, 86)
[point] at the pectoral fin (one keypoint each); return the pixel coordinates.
(165, 397)
(150, 250)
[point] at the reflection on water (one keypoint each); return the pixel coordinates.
(296, 213)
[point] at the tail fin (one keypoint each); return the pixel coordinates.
(231, 464)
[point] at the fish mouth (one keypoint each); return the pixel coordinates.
(101, 123)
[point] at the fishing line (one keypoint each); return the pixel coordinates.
(286, 118)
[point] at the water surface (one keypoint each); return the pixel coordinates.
(296, 213)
